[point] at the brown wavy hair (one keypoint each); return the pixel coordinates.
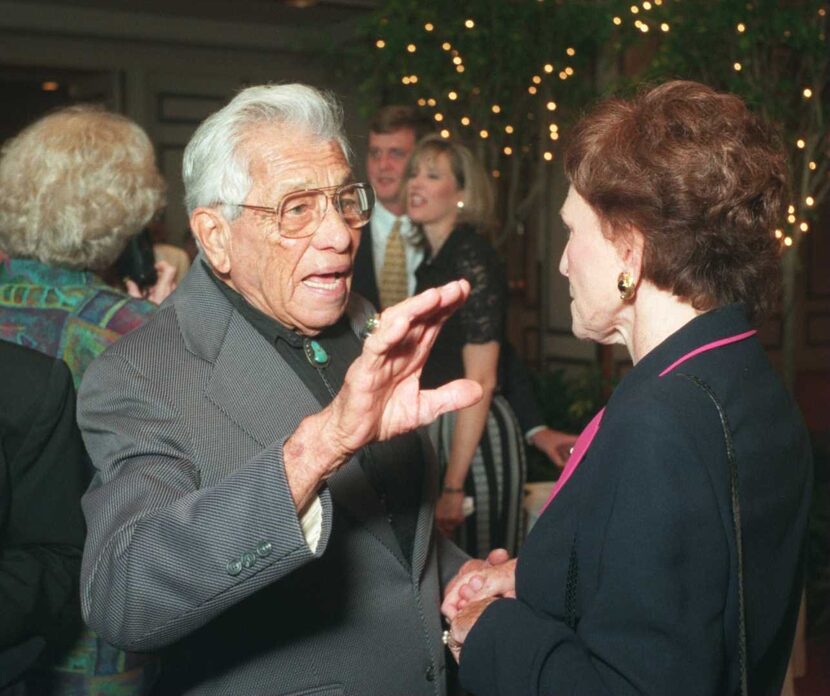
(703, 179)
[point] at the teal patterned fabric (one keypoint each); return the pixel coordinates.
(65, 313)
(73, 315)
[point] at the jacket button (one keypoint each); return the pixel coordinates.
(430, 673)
(248, 559)
(263, 548)
(234, 567)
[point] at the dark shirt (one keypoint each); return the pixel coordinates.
(464, 254)
(400, 495)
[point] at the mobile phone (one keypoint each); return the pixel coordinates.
(138, 262)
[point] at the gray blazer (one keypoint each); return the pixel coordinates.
(194, 546)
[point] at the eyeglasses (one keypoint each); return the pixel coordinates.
(300, 213)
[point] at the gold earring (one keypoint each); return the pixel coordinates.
(625, 284)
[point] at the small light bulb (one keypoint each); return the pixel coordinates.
(536, 79)
(508, 129)
(617, 21)
(800, 144)
(551, 106)
(429, 26)
(664, 27)
(778, 234)
(737, 67)
(548, 156)
(791, 219)
(496, 173)
(804, 227)
(483, 133)
(788, 241)
(413, 79)
(741, 27)
(469, 24)
(459, 68)
(570, 51)
(446, 45)
(465, 120)
(569, 70)
(634, 9)
(431, 101)
(508, 151)
(411, 48)
(452, 96)
(812, 166)
(439, 117)
(457, 60)
(445, 133)
(810, 201)
(646, 5)
(405, 79)
(548, 68)
(495, 109)
(532, 89)
(422, 102)
(380, 43)
(563, 75)
(807, 93)
(791, 209)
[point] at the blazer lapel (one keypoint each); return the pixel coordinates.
(259, 392)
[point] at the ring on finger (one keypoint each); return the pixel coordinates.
(449, 641)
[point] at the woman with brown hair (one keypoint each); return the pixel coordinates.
(669, 558)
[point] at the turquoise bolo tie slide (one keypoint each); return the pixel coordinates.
(315, 353)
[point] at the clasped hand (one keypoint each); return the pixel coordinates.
(476, 585)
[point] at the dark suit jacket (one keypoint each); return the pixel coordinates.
(194, 542)
(627, 583)
(42, 478)
(364, 281)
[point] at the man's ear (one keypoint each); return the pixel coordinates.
(213, 233)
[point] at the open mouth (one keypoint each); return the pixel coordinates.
(325, 281)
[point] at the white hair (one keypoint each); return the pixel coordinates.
(76, 185)
(216, 169)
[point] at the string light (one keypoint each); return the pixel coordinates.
(413, 79)
(532, 89)
(737, 67)
(800, 144)
(429, 26)
(778, 234)
(812, 166)
(452, 96)
(496, 173)
(563, 75)
(741, 27)
(380, 43)
(617, 21)
(422, 102)
(664, 27)
(810, 201)
(548, 156)
(465, 120)
(807, 93)
(438, 117)
(445, 133)
(788, 241)
(508, 129)
(457, 60)
(431, 101)
(791, 219)
(496, 109)
(646, 5)
(548, 68)
(405, 79)
(411, 48)
(804, 227)
(536, 79)
(569, 71)
(446, 46)
(459, 68)
(469, 24)
(570, 51)
(551, 106)
(634, 9)
(791, 209)
(483, 133)
(508, 151)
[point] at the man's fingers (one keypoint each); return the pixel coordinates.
(455, 395)
(498, 556)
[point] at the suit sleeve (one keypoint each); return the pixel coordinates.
(43, 534)
(653, 620)
(166, 554)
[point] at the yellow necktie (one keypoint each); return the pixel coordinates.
(393, 280)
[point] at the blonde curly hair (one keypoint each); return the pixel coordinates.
(75, 186)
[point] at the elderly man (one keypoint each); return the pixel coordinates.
(262, 509)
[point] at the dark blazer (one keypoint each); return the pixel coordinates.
(194, 543)
(364, 281)
(627, 583)
(43, 474)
